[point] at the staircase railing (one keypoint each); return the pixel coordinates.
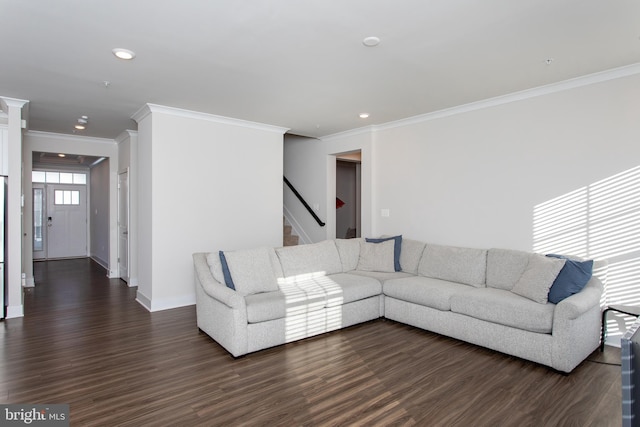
(304, 203)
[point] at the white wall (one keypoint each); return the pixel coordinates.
(145, 190)
(206, 183)
(473, 179)
(99, 213)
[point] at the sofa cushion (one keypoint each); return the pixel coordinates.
(377, 256)
(410, 255)
(344, 288)
(309, 293)
(265, 306)
(252, 270)
(572, 278)
(290, 300)
(462, 265)
(321, 257)
(505, 267)
(505, 308)
(397, 248)
(381, 276)
(427, 291)
(349, 252)
(538, 277)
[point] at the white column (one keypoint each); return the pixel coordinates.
(13, 256)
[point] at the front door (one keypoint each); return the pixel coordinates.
(66, 221)
(123, 225)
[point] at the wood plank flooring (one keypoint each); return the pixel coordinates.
(85, 341)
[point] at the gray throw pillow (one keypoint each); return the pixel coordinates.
(538, 277)
(377, 256)
(213, 260)
(252, 270)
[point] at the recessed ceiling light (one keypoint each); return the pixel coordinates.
(62, 155)
(125, 54)
(371, 41)
(364, 115)
(82, 123)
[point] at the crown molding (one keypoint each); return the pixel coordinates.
(350, 133)
(68, 137)
(6, 102)
(573, 83)
(576, 82)
(179, 112)
(127, 134)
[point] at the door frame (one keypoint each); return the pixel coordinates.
(127, 201)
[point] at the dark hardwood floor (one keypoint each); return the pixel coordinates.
(85, 341)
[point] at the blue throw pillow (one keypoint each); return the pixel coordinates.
(225, 272)
(396, 249)
(571, 279)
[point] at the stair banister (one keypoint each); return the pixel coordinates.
(304, 203)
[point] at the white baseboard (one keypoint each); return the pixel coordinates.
(143, 300)
(100, 261)
(14, 311)
(160, 304)
(29, 282)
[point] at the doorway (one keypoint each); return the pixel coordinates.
(348, 195)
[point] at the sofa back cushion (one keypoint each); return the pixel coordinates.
(312, 258)
(349, 251)
(410, 255)
(252, 270)
(504, 267)
(455, 264)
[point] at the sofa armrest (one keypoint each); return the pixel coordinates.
(212, 287)
(578, 304)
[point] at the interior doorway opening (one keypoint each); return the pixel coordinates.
(70, 206)
(348, 195)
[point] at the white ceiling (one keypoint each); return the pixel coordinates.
(297, 64)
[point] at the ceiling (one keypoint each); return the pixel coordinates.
(65, 161)
(297, 64)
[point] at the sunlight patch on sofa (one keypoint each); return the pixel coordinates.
(313, 304)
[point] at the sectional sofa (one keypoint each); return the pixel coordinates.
(248, 300)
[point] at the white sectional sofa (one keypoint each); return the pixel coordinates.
(249, 300)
